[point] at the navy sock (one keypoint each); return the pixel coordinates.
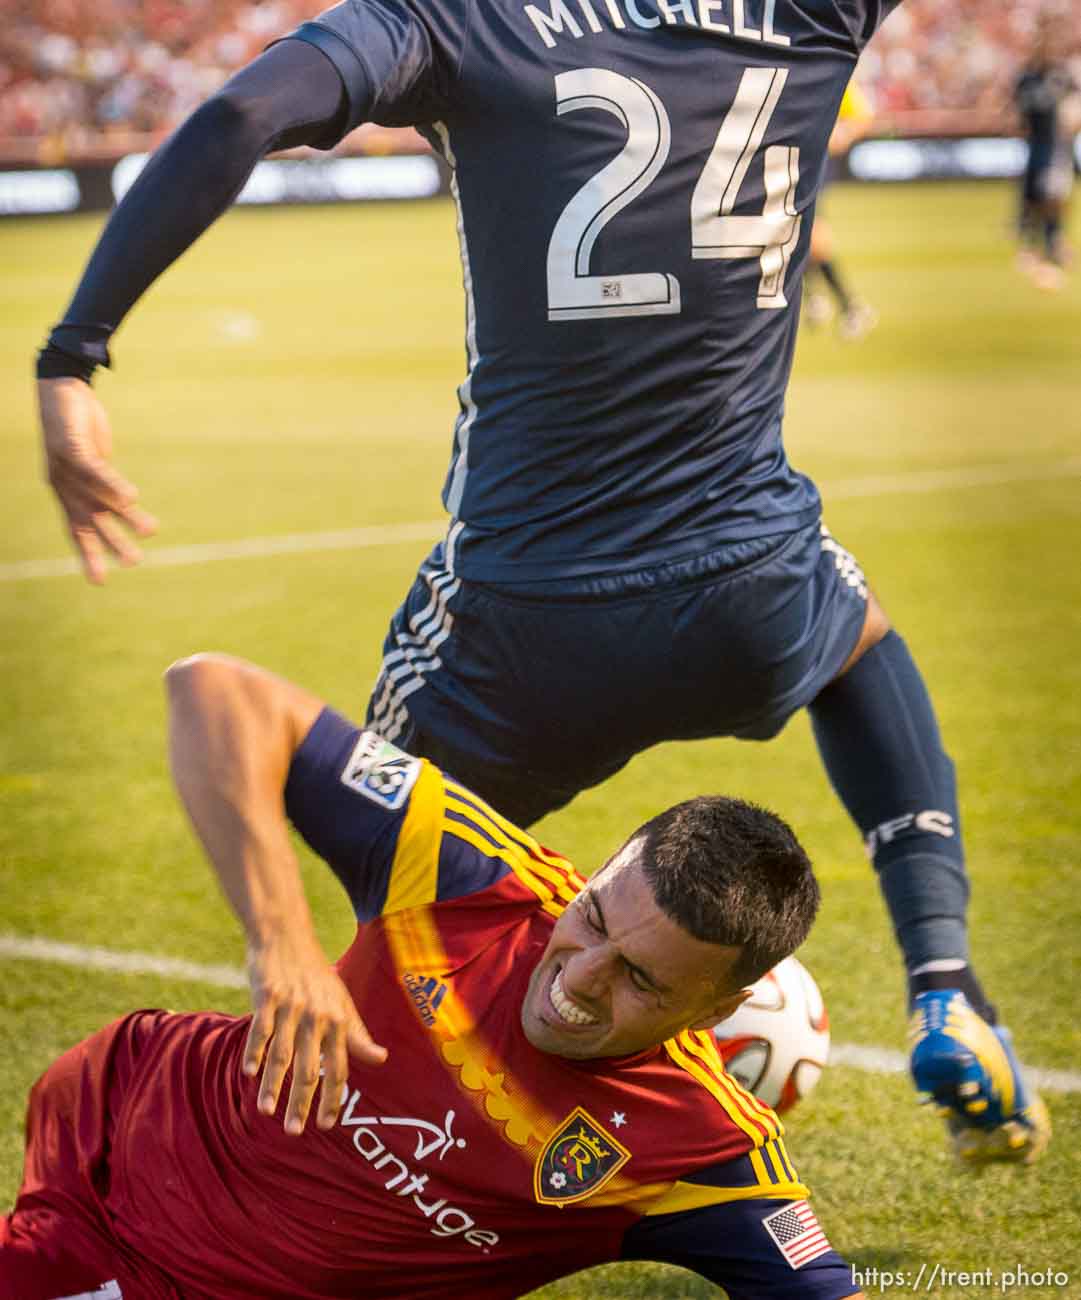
(878, 737)
(832, 277)
(1028, 224)
(1052, 239)
(963, 979)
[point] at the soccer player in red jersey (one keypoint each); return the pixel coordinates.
(510, 1068)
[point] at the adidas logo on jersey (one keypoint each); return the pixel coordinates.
(426, 994)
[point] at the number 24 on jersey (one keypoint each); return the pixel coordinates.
(770, 236)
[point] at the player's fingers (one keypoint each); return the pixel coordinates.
(98, 479)
(279, 1055)
(262, 1026)
(125, 550)
(305, 1072)
(362, 1047)
(91, 556)
(140, 521)
(85, 507)
(335, 1075)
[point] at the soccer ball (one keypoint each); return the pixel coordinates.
(778, 1042)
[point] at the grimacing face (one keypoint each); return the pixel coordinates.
(618, 975)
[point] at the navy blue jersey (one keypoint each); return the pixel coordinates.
(635, 182)
(1039, 92)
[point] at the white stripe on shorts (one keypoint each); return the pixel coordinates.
(847, 566)
(417, 654)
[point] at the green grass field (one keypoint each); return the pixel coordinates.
(295, 373)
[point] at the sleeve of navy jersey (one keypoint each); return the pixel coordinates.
(349, 793)
(398, 67)
(865, 17)
(756, 1249)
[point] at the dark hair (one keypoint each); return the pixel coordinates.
(733, 874)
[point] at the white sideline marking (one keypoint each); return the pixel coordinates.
(348, 539)
(881, 1060)
(126, 963)
(936, 480)
(874, 1060)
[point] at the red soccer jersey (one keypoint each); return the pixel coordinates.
(470, 1164)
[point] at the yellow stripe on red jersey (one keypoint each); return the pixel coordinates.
(414, 872)
(692, 1052)
(551, 877)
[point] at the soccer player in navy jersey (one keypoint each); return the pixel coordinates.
(1045, 95)
(856, 319)
(507, 1058)
(630, 557)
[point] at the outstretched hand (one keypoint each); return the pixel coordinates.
(98, 503)
(303, 1016)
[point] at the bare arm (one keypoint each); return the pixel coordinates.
(234, 729)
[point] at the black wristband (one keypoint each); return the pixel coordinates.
(52, 363)
(74, 351)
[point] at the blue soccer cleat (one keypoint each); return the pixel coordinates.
(969, 1069)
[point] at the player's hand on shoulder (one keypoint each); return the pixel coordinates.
(304, 1017)
(98, 503)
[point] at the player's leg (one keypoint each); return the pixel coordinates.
(1054, 246)
(56, 1242)
(49, 1256)
(1052, 232)
(879, 739)
(817, 307)
(1028, 220)
(1042, 254)
(855, 318)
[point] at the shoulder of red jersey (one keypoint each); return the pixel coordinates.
(710, 1143)
(400, 834)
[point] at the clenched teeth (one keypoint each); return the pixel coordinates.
(568, 1010)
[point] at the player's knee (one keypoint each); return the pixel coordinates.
(875, 627)
(182, 672)
(200, 675)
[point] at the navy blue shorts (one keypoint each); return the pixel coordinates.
(531, 692)
(1048, 177)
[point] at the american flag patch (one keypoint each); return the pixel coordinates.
(797, 1234)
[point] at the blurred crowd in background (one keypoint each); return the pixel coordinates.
(961, 55)
(82, 77)
(75, 73)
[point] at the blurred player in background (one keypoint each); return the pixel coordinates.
(1048, 101)
(542, 1070)
(630, 558)
(824, 280)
